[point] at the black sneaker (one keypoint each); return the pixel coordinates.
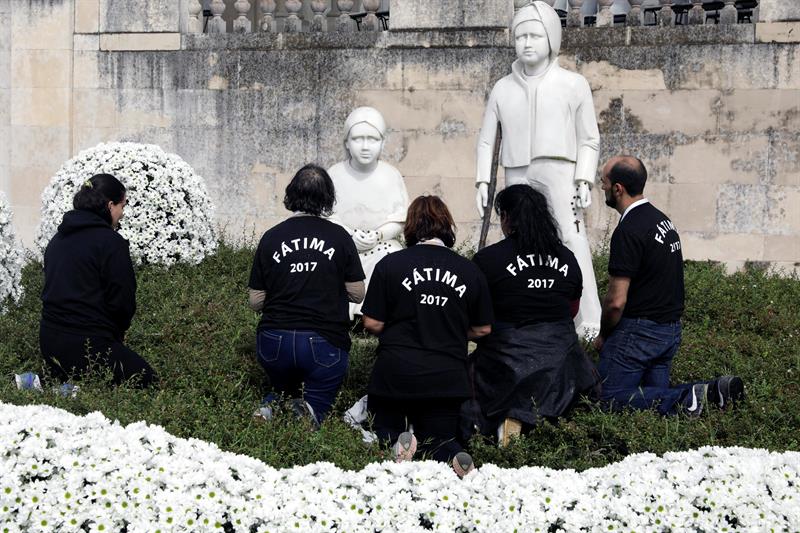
(463, 464)
(726, 392)
(695, 399)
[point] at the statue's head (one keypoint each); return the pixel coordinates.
(365, 134)
(537, 35)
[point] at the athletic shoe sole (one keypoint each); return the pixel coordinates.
(405, 447)
(463, 464)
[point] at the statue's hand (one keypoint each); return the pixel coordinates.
(365, 240)
(482, 198)
(584, 195)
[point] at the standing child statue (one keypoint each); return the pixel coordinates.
(371, 197)
(550, 139)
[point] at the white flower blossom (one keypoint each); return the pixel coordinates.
(12, 259)
(63, 472)
(169, 218)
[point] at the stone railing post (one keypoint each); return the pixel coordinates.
(195, 18)
(319, 23)
(293, 22)
(696, 14)
(268, 23)
(371, 22)
(574, 18)
(345, 23)
(242, 23)
(728, 13)
(634, 17)
(666, 16)
(604, 16)
(518, 4)
(217, 24)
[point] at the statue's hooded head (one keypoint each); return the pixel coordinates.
(540, 12)
(364, 135)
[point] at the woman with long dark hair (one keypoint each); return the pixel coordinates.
(532, 366)
(305, 271)
(89, 295)
(424, 302)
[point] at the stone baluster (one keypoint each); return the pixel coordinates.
(634, 17)
(320, 22)
(666, 16)
(518, 4)
(217, 24)
(604, 16)
(549, 2)
(345, 23)
(242, 23)
(195, 18)
(268, 23)
(371, 22)
(574, 18)
(293, 22)
(696, 14)
(728, 13)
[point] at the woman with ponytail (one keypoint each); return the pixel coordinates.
(532, 366)
(89, 295)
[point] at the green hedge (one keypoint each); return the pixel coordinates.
(194, 326)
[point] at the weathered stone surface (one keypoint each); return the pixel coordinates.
(113, 42)
(41, 68)
(420, 14)
(87, 16)
(778, 32)
(40, 107)
(42, 25)
(139, 16)
(778, 10)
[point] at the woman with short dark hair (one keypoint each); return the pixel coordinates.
(424, 302)
(532, 366)
(89, 295)
(305, 271)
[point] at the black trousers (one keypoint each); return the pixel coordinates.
(435, 422)
(68, 355)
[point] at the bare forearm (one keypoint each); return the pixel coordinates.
(355, 291)
(256, 299)
(476, 332)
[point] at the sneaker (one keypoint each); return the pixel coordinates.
(67, 390)
(510, 427)
(263, 414)
(302, 409)
(405, 447)
(726, 392)
(28, 381)
(463, 464)
(695, 399)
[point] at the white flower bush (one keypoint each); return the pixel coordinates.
(169, 218)
(60, 472)
(12, 259)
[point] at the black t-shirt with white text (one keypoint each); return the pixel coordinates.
(303, 264)
(646, 248)
(528, 288)
(428, 297)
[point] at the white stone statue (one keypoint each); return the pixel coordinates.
(371, 197)
(550, 139)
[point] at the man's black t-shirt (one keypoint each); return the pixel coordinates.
(646, 248)
(302, 264)
(428, 297)
(528, 288)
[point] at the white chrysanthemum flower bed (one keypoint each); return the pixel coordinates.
(169, 218)
(12, 259)
(63, 472)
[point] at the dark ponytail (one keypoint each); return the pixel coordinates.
(528, 219)
(96, 192)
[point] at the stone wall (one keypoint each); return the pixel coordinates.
(714, 111)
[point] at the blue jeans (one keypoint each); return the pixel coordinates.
(302, 362)
(635, 364)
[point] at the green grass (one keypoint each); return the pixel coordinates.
(194, 326)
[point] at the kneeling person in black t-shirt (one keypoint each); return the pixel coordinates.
(304, 272)
(641, 325)
(532, 365)
(424, 302)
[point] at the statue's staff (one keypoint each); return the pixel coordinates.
(487, 212)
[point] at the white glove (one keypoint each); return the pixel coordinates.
(584, 195)
(482, 197)
(365, 240)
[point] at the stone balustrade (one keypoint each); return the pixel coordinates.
(296, 16)
(287, 16)
(575, 13)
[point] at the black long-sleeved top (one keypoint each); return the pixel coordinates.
(89, 283)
